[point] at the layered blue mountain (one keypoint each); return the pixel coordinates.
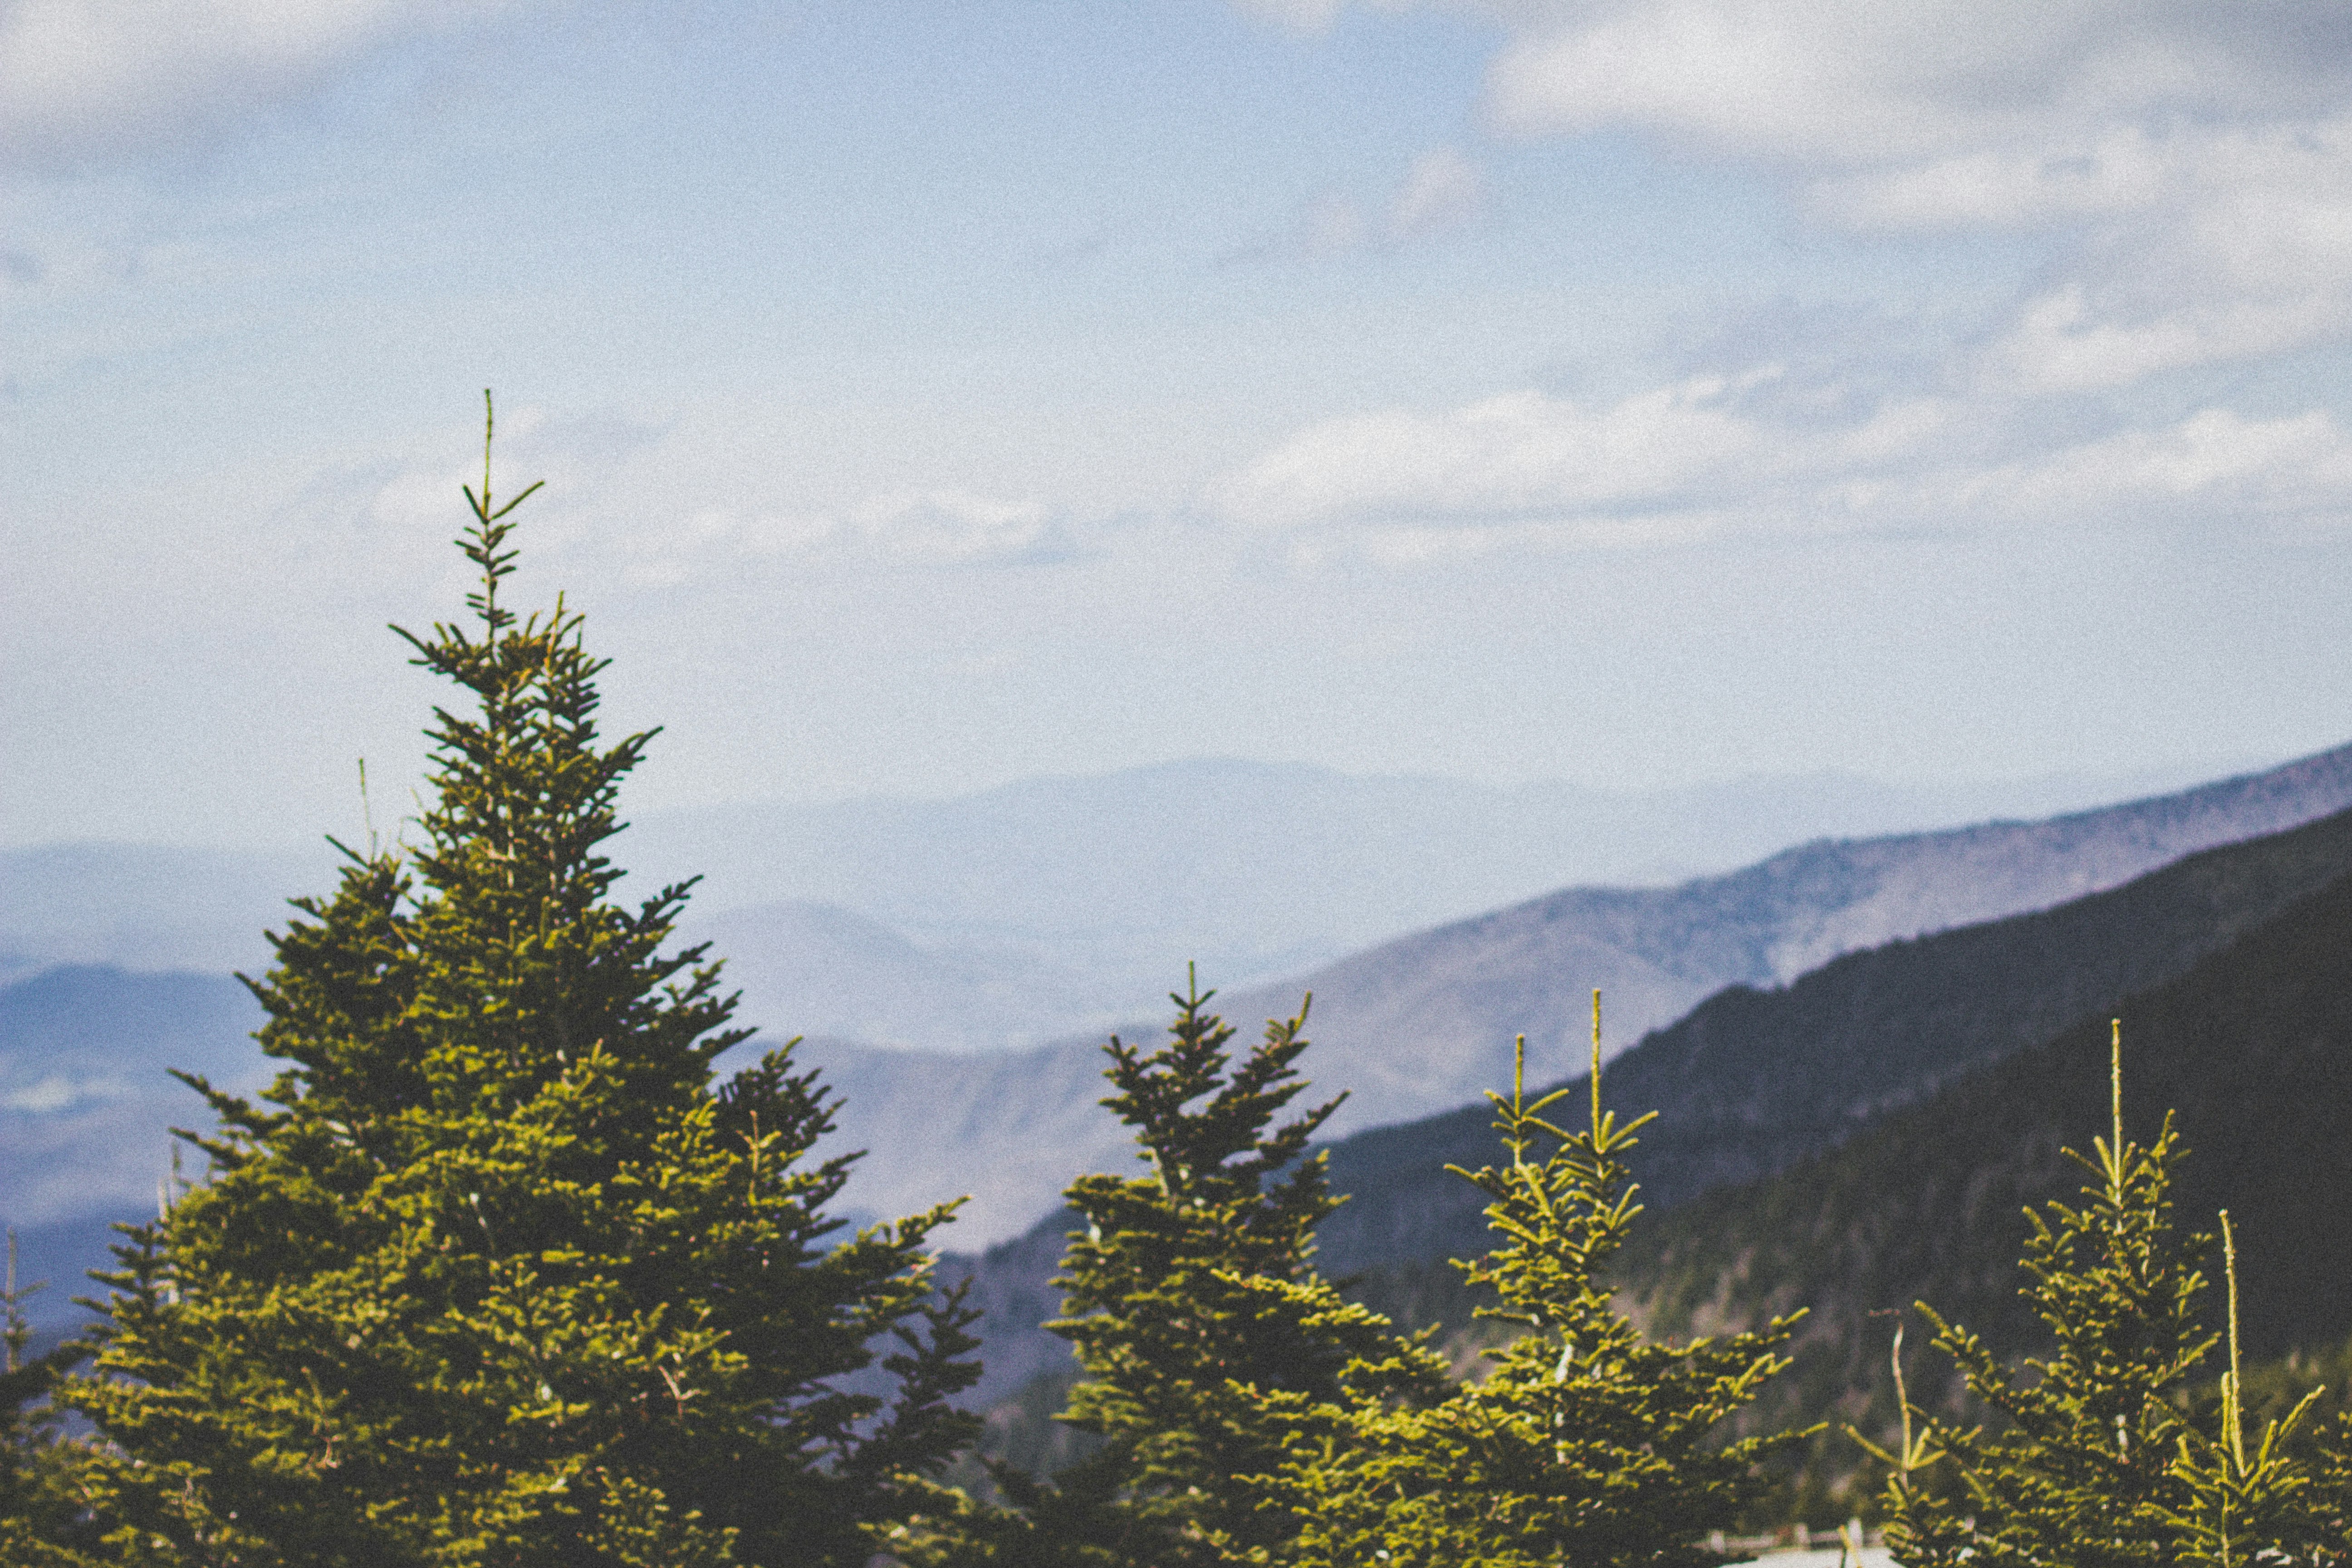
(1755, 1080)
(87, 1100)
(1422, 1024)
(1412, 1026)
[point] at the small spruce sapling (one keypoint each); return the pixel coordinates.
(1588, 1443)
(2243, 1509)
(2085, 1470)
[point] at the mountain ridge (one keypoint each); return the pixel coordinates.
(1415, 1025)
(2249, 1050)
(1751, 1083)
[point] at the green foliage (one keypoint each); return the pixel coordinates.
(2329, 1511)
(2094, 1462)
(1193, 1305)
(496, 1272)
(1587, 1443)
(2242, 1507)
(1931, 1200)
(1204, 1333)
(41, 1522)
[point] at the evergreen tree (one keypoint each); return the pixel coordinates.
(2243, 1509)
(1193, 1306)
(2330, 1510)
(496, 1272)
(2088, 1469)
(40, 1506)
(1587, 1443)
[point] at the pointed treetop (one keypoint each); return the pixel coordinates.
(1596, 1059)
(2115, 1099)
(485, 543)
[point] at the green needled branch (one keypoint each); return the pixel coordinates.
(1596, 1062)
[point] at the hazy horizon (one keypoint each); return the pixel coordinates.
(2071, 789)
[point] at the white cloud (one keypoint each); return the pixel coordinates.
(1309, 17)
(933, 527)
(1296, 15)
(2241, 247)
(1714, 456)
(79, 78)
(684, 497)
(954, 527)
(1855, 81)
(1440, 191)
(2124, 171)
(2192, 161)
(2214, 462)
(1526, 455)
(55, 1092)
(1329, 224)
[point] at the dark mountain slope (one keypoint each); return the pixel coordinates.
(1422, 1022)
(2251, 1050)
(1753, 1081)
(1756, 1081)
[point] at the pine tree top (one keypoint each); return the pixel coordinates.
(497, 1264)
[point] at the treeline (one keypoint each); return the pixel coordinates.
(500, 1270)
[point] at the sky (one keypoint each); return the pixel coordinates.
(933, 395)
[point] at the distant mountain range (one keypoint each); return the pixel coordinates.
(1028, 913)
(1755, 1082)
(1422, 1024)
(1258, 869)
(147, 906)
(86, 1102)
(1412, 1027)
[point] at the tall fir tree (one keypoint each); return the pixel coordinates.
(2085, 1468)
(496, 1272)
(1587, 1443)
(1204, 1330)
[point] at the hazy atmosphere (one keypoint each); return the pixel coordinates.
(930, 397)
(1434, 747)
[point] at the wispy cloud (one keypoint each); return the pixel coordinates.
(1713, 456)
(1846, 82)
(1302, 16)
(1440, 192)
(612, 511)
(80, 79)
(1526, 455)
(935, 527)
(1443, 190)
(2193, 162)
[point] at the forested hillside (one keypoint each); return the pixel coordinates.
(1755, 1081)
(1417, 1026)
(2251, 1050)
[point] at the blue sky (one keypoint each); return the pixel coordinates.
(930, 395)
